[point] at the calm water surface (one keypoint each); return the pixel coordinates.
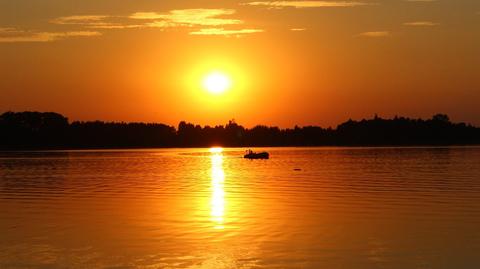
(197, 208)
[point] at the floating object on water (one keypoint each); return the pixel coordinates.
(254, 155)
(297, 169)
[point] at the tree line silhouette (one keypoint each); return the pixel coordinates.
(36, 130)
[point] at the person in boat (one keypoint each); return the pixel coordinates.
(252, 155)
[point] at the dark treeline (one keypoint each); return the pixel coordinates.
(35, 130)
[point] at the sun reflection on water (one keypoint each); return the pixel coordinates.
(217, 202)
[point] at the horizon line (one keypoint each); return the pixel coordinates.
(374, 117)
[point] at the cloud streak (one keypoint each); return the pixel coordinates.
(80, 20)
(95, 22)
(175, 18)
(190, 17)
(10, 35)
(421, 23)
(375, 34)
(216, 19)
(224, 32)
(306, 4)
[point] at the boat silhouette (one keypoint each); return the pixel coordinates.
(254, 155)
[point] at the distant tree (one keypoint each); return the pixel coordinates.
(441, 118)
(234, 134)
(35, 130)
(32, 130)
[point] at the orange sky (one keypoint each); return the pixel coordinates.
(291, 62)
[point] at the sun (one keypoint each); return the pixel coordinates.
(217, 82)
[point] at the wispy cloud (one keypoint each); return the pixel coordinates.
(298, 29)
(375, 34)
(421, 23)
(80, 19)
(7, 30)
(96, 22)
(224, 32)
(421, 0)
(10, 35)
(189, 17)
(306, 4)
(173, 18)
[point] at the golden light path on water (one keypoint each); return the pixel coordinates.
(352, 208)
(217, 201)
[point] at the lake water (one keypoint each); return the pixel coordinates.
(201, 208)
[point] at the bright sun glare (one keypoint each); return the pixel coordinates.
(217, 82)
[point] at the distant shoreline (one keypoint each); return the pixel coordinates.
(469, 146)
(28, 131)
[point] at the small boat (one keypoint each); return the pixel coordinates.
(254, 155)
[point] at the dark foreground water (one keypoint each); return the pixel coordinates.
(201, 208)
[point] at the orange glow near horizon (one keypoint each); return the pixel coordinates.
(216, 150)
